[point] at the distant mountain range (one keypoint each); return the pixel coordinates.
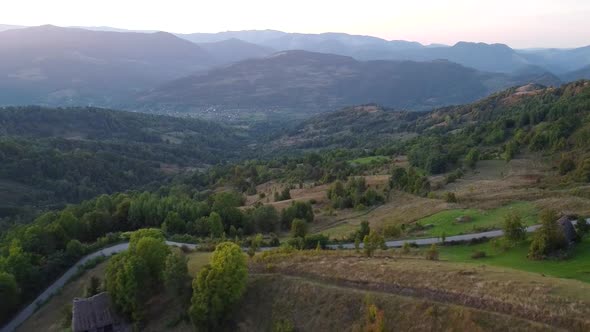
(52, 65)
(316, 81)
(159, 71)
(481, 56)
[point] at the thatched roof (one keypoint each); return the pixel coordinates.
(94, 314)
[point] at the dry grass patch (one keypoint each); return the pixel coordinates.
(502, 290)
(48, 318)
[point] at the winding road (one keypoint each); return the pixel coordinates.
(59, 283)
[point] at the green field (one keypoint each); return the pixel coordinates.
(369, 160)
(196, 261)
(577, 267)
(481, 220)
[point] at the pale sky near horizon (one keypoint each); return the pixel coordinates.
(518, 23)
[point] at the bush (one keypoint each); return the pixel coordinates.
(298, 228)
(392, 231)
(432, 253)
(478, 254)
(406, 248)
(566, 165)
(514, 229)
(450, 197)
(312, 241)
(372, 242)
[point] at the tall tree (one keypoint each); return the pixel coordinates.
(218, 286)
(176, 272)
(9, 293)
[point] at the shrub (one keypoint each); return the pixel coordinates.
(566, 165)
(450, 197)
(298, 228)
(472, 158)
(372, 242)
(406, 248)
(432, 253)
(312, 241)
(283, 325)
(478, 254)
(296, 243)
(392, 231)
(254, 245)
(514, 229)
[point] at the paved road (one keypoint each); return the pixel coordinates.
(57, 285)
(429, 241)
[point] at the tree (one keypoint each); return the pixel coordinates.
(406, 247)
(215, 225)
(432, 253)
(299, 210)
(254, 245)
(511, 150)
(146, 232)
(450, 197)
(372, 242)
(298, 228)
(72, 226)
(153, 252)
(218, 286)
(364, 230)
(514, 229)
(127, 281)
(472, 158)
(549, 238)
(265, 219)
(9, 293)
(173, 224)
(74, 249)
(176, 272)
(285, 194)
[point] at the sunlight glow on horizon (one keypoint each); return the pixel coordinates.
(520, 24)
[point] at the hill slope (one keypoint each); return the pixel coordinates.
(316, 81)
(56, 156)
(233, 50)
(61, 66)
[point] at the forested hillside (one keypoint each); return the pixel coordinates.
(55, 156)
(307, 82)
(528, 118)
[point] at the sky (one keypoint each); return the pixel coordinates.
(518, 23)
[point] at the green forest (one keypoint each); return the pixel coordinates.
(77, 179)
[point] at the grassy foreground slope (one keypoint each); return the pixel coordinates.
(558, 303)
(577, 267)
(335, 291)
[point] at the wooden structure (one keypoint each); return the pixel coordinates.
(96, 314)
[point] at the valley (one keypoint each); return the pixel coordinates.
(260, 180)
